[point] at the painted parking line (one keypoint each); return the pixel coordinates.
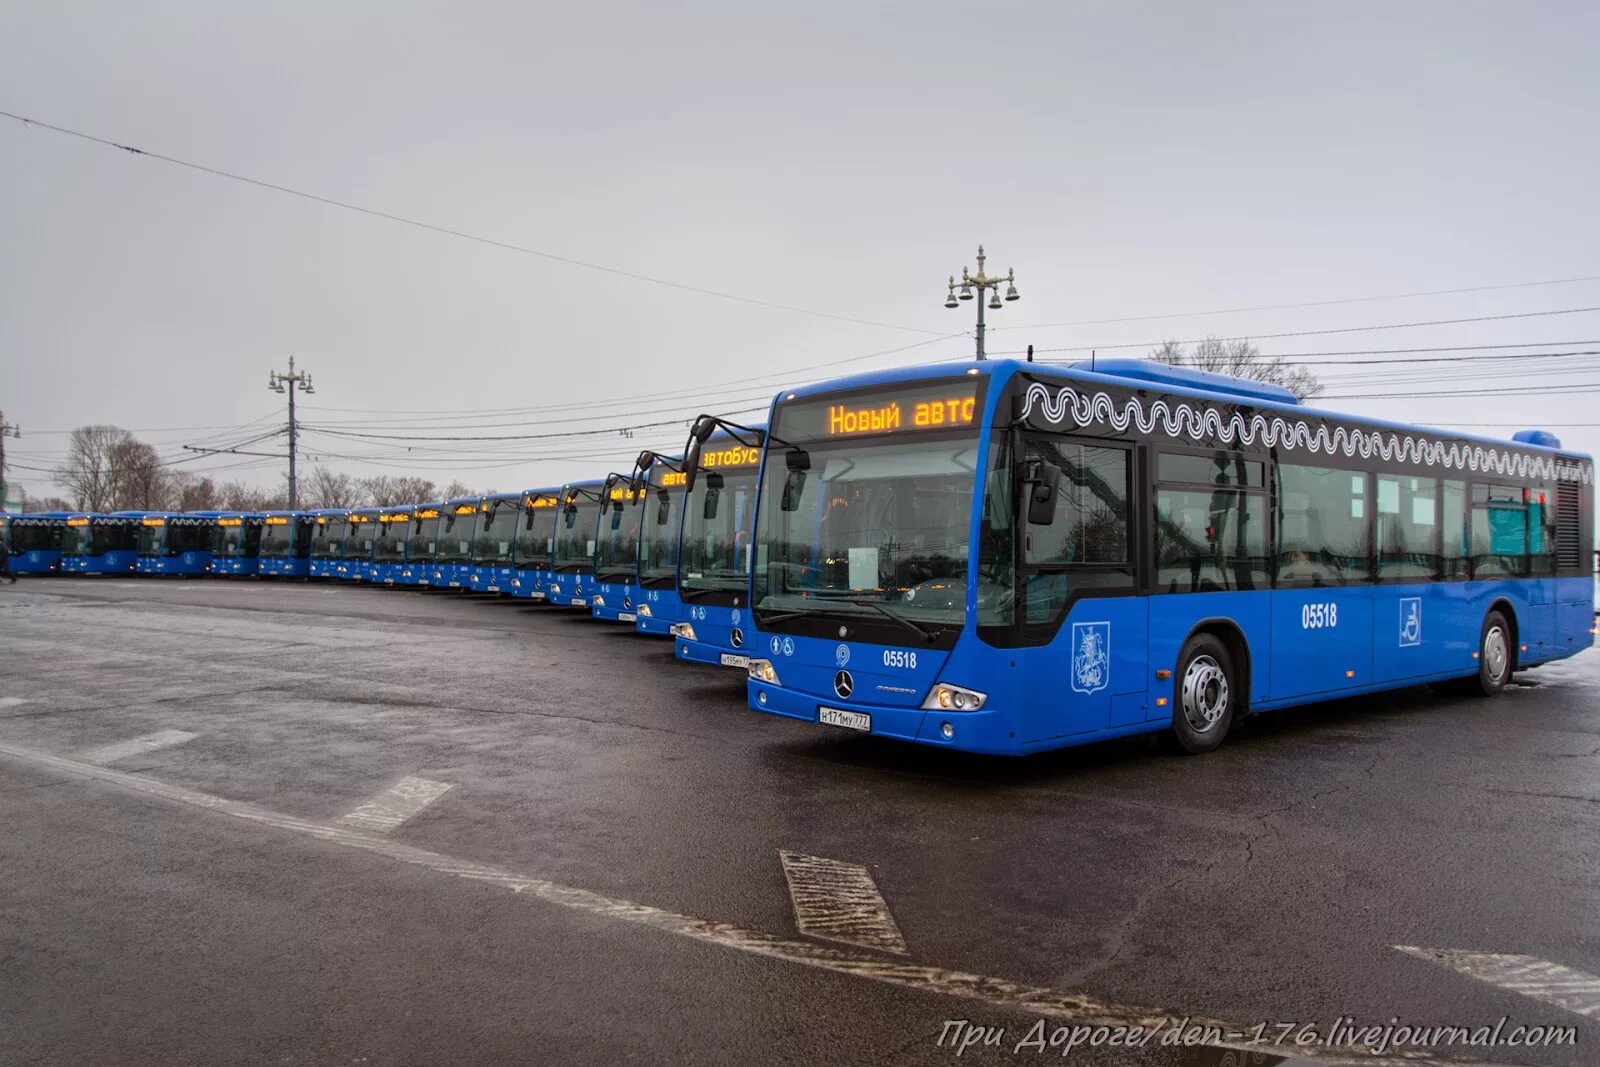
(840, 902)
(136, 747)
(1001, 993)
(11, 702)
(1531, 976)
(395, 805)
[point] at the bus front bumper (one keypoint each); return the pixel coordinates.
(971, 731)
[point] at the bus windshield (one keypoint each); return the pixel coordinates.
(617, 554)
(455, 538)
(575, 533)
(716, 531)
(74, 539)
(276, 539)
(423, 539)
(230, 541)
(150, 540)
(492, 546)
(390, 546)
(35, 537)
(111, 537)
(866, 507)
(536, 535)
(359, 540)
(329, 538)
(658, 546)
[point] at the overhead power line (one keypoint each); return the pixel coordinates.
(464, 235)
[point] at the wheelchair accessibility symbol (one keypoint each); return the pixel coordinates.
(1410, 621)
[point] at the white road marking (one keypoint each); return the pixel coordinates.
(11, 702)
(395, 805)
(137, 746)
(996, 992)
(840, 902)
(1531, 976)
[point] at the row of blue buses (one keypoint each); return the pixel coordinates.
(1000, 557)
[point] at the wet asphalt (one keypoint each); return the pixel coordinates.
(1266, 882)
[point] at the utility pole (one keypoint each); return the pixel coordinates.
(981, 281)
(6, 430)
(288, 383)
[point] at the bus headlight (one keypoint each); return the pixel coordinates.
(684, 630)
(644, 611)
(762, 671)
(599, 601)
(946, 697)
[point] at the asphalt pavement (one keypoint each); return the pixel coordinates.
(280, 822)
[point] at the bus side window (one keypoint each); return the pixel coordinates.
(1453, 531)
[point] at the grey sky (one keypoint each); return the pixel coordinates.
(1128, 160)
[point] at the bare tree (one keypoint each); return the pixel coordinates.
(44, 503)
(195, 493)
(1240, 359)
(413, 490)
(326, 489)
(237, 496)
(89, 473)
(456, 489)
(140, 481)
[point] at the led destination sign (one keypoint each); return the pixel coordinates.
(895, 409)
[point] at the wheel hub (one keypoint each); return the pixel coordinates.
(1205, 693)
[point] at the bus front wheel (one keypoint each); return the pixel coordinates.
(1204, 694)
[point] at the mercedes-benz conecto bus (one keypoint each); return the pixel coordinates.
(1007, 558)
(714, 551)
(417, 544)
(389, 546)
(664, 482)
(616, 552)
(489, 569)
(35, 541)
(534, 553)
(286, 543)
(172, 542)
(452, 553)
(577, 529)
(360, 545)
(329, 527)
(100, 544)
(236, 545)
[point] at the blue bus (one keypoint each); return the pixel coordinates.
(100, 544)
(416, 540)
(533, 562)
(615, 588)
(172, 542)
(329, 527)
(389, 543)
(489, 567)
(35, 541)
(577, 529)
(1006, 558)
(286, 543)
(665, 485)
(360, 543)
(236, 545)
(452, 553)
(714, 548)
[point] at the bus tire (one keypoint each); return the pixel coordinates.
(1495, 656)
(1205, 692)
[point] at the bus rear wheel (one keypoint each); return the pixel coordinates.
(1495, 656)
(1204, 695)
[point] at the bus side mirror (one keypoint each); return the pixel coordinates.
(1043, 482)
(794, 483)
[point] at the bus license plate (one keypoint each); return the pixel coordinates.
(627, 616)
(455, 585)
(492, 589)
(579, 602)
(730, 660)
(850, 720)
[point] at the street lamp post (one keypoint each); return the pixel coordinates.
(979, 282)
(288, 383)
(6, 430)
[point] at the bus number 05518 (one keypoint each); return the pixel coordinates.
(1319, 616)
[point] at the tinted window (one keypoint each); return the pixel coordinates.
(1499, 534)
(1091, 521)
(1211, 470)
(1407, 526)
(1322, 525)
(1210, 540)
(1453, 528)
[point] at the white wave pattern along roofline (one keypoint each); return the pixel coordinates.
(1203, 423)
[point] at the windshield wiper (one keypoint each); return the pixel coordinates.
(871, 602)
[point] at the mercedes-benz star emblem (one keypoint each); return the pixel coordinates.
(737, 637)
(844, 685)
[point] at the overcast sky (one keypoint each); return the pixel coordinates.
(1129, 160)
